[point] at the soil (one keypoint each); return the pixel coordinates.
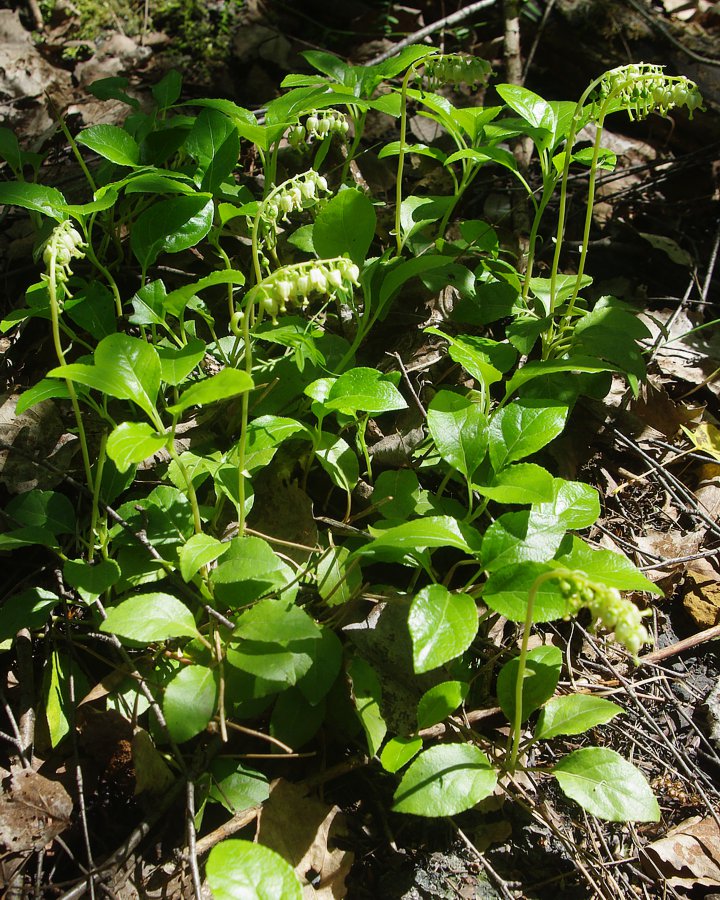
(654, 243)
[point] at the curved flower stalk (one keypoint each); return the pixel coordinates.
(640, 89)
(318, 126)
(64, 245)
(293, 285)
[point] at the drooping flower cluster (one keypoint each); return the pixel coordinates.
(293, 285)
(296, 194)
(455, 69)
(608, 606)
(318, 125)
(63, 246)
(643, 88)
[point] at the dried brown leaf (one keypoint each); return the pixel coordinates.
(304, 831)
(688, 856)
(33, 810)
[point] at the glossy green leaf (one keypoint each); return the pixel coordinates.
(530, 106)
(176, 363)
(604, 566)
(607, 786)
(326, 655)
(574, 714)
(459, 428)
(575, 505)
(43, 509)
(345, 225)
(541, 368)
(35, 197)
(445, 780)
(27, 609)
(111, 142)
(367, 695)
(337, 581)
(10, 149)
(294, 720)
(150, 617)
(542, 672)
(276, 621)
(397, 494)
(364, 390)
(506, 591)
(236, 786)
(91, 580)
(398, 752)
(125, 367)
(176, 301)
(249, 569)
(440, 701)
(199, 550)
(45, 389)
(170, 226)
(189, 701)
(242, 870)
(215, 144)
(167, 90)
(226, 384)
(442, 625)
(400, 274)
(339, 460)
(519, 483)
(525, 536)
(524, 427)
(421, 534)
(133, 442)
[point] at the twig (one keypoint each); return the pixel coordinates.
(17, 741)
(406, 379)
(191, 854)
(688, 643)
(658, 26)
(445, 22)
(26, 680)
(536, 42)
(499, 882)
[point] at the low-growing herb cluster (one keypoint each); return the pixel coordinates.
(186, 391)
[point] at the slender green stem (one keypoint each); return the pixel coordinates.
(244, 418)
(190, 487)
(401, 156)
(90, 254)
(102, 456)
(60, 353)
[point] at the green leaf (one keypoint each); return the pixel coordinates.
(574, 714)
(337, 581)
(226, 384)
(339, 460)
(170, 226)
(133, 442)
(397, 494)
(399, 751)
(176, 301)
(189, 702)
(45, 389)
(524, 427)
(506, 591)
(542, 368)
(459, 428)
(111, 142)
(242, 870)
(199, 550)
(176, 363)
(445, 780)
(531, 107)
(125, 367)
(542, 672)
(215, 144)
(519, 483)
(345, 225)
(575, 505)
(526, 536)
(10, 149)
(236, 787)
(249, 569)
(440, 701)
(604, 566)
(366, 390)
(607, 786)
(29, 609)
(167, 90)
(91, 579)
(150, 617)
(399, 274)
(367, 695)
(417, 213)
(431, 531)
(326, 655)
(43, 509)
(276, 622)
(442, 625)
(295, 721)
(46, 200)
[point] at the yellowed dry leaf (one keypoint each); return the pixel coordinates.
(304, 831)
(33, 810)
(688, 856)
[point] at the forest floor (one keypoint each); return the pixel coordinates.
(655, 243)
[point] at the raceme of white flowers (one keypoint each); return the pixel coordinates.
(64, 244)
(609, 607)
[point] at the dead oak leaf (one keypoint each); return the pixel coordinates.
(33, 810)
(304, 831)
(688, 856)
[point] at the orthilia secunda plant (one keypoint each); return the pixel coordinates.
(640, 89)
